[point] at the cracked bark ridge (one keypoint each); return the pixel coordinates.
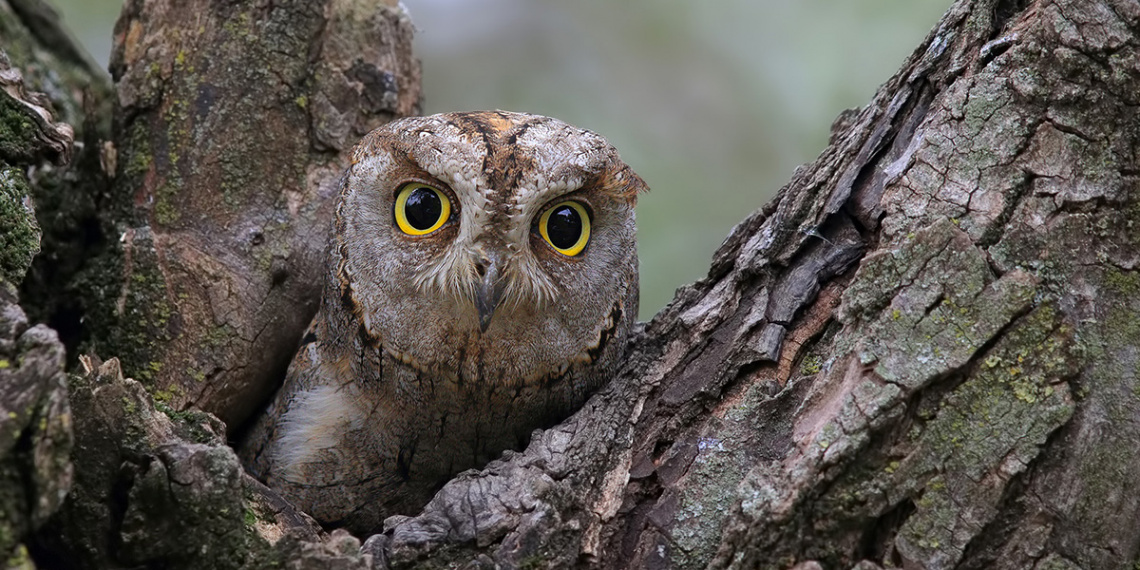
(233, 123)
(922, 354)
(159, 488)
(19, 231)
(35, 428)
(34, 135)
(65, 196)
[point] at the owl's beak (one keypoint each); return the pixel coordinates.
(488, 290)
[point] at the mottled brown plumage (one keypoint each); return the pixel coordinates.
(433, 353)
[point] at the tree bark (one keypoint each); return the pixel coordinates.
(233, 124)
(36, 87)
(922, 353)
(70, 189)
(187, 239)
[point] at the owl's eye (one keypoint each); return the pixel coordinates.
(566, 227)
(421, 209)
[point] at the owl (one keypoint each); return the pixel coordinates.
(481, 283)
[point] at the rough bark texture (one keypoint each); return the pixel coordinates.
(35, 422)
(35, 428)
(923, 353)
(233, 122)
(68, 194)
(156, 488)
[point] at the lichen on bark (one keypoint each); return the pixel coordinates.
(156, 487)
(35, 429)
(19, 232)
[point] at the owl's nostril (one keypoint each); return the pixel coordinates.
(482, 262)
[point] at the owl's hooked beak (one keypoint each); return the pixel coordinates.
(489, 288)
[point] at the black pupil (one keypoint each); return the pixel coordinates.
(423, 208)
(564, 227)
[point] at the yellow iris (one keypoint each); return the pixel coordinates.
(566, 227)
(421, 209)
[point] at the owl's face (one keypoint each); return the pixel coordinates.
(489, 233)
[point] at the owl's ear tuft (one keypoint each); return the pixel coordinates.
(622, 182)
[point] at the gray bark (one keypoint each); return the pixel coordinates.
(35, 428)
(68, 187)
(35, 468)
(922, 353)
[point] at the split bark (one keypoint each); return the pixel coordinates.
(923, 353)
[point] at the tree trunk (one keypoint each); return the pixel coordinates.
(922, 353)
(233, 124)
(42, 79)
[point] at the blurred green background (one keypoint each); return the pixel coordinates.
(713, 102)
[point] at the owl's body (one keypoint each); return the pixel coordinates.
(482, 283)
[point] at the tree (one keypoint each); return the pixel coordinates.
(920, 354)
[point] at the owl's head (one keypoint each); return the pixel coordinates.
(487, 231)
